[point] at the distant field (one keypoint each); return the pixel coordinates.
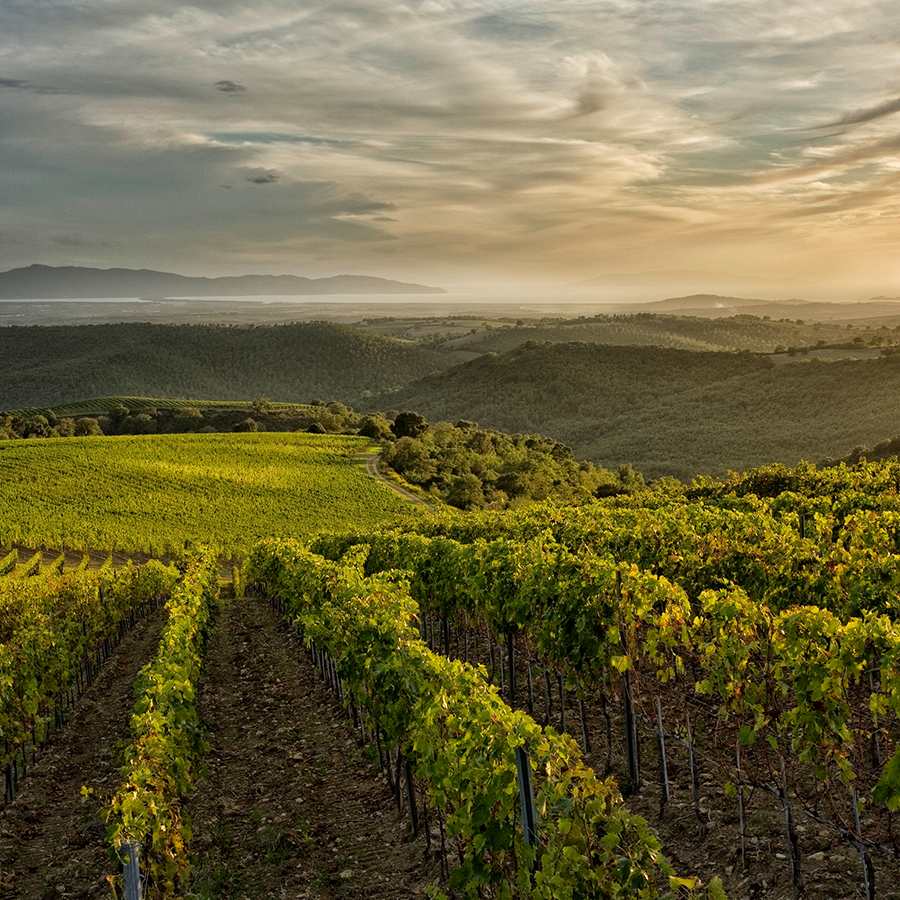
(154, 492)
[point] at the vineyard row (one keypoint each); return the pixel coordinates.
(460, 740)
(163, 760)
(55, 633)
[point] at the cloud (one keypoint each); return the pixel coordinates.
(483, 134)
(267, 176)
(74, 240)
(887, 108)
(229, 87)
(22, 84)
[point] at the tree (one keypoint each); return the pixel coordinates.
(464, 492)
(409, 424)
(376, 427)
(87, 426)
(412, 459)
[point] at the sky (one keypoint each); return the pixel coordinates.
(457, 142)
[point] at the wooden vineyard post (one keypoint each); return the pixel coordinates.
(740, 800)
(426, 825)
(378, 745)
(11, 776)
(397, 792)
(561, 683)
(585, 737)
(695, 778)
(411, 797)
(526, 797)
(548, 699)
(631, 744)
(510, 655)
(793, 842)
(132, 871)
(491, 648)
(876, 731)
(607, 719)
(868, 868)
(631, 748)
(663, 768)
(530, 690)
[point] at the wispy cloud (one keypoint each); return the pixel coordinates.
(264, 176)
(455, 136)
(887, 108)
(229, 87)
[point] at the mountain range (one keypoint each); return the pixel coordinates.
(37, 282)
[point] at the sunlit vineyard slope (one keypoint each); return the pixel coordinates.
(154, 492)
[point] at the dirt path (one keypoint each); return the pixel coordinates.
(292, 807)
(52, 841)
(372, 468)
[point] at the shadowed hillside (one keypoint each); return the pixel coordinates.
(669, 412)
(41, 366)
(540, 387)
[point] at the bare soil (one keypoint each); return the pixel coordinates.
(292, 805)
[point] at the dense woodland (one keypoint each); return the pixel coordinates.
(42, 366)
(299, 362)
(669, 412)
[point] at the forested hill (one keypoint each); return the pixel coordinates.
(669, 412)
(647, 329)
(41, 366)
(542, 385)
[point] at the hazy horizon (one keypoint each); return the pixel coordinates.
(459, 142)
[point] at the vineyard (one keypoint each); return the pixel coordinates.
(152, 493)
(752, 639)
(692, 693)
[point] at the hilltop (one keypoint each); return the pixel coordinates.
(48, 282)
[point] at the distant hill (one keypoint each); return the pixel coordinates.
(704, 301)
(43, 366)
(644, 286)
(668, 412)
(38, 282)
(740, 332)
